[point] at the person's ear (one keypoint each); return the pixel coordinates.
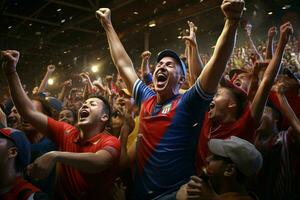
(104, 117)
(12, 152)
(232, 104)
(230, 170)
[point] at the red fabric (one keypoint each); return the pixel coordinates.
(19, 186)
(294, 101)
(72, 183)
(244, 128)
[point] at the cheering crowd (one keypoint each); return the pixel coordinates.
(194, 126)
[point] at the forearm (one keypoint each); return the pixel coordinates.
(124, 158)
(216, 65)
(145, 67)
(85, 162)
(120, 57)
(44, 83)
(252, 45)
(269, 52)
(62, 93)
(289, 113)
(195, 64)
(19, 97)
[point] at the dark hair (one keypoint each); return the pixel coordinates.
(106, 107)
(239, 99)
(45, 105)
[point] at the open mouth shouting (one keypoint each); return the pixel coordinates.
(83, 114)
(161, 79)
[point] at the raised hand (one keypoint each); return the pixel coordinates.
(272, 32)
(146, 55)
(248, 29)
(192, 37)
(11, 58)
(286, 30)
(103, 14)
(233, 9)
(51, 68)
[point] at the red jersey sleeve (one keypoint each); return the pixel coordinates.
(112, 145)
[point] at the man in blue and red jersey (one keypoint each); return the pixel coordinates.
(87, 156)
(170, 123)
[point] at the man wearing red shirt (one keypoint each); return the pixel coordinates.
(228, 116)
(86, 157)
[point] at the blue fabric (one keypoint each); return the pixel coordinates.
(148, 78)
(172, 159)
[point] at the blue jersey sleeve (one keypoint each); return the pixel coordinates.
(195, 100)
(141, 92)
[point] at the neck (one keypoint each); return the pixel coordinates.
(161, 98)
(87, 132)
(230, 186)
(228, 118)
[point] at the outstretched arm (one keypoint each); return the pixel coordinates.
(288, 112)
(193, 56)
(215, 67)
(19, 97)
(248, 29)
(145, 63)
(270, 74)
(117, 51)
(85, 162)
(270, 42)
(44, 83)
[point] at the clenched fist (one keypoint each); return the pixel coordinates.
(11, 58)
(233, 9)
(103, 14)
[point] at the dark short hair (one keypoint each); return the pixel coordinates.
(45, 106)
(106, 107)
(239, 99)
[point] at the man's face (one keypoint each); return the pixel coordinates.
(166, 75)
(216, 166)
(242, 81)
(66, 116)
(220, 104)
(91, 112)
(14, 119)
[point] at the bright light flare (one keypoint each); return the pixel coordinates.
(50, 81)
(95, 68)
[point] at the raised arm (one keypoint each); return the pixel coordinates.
(287, 111)
(66, 85)
(270, 42)
(270, 74)
(193, 56)
(145, 63)
(248, 29)
(213, 70)
(119, 55)
(19, 97)
(44, 83)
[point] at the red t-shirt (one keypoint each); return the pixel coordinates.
(21, 190)
(244, 128)
(72, 183)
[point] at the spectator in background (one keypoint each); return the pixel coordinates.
(15, 156)
(231, 162)
(87, 157)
